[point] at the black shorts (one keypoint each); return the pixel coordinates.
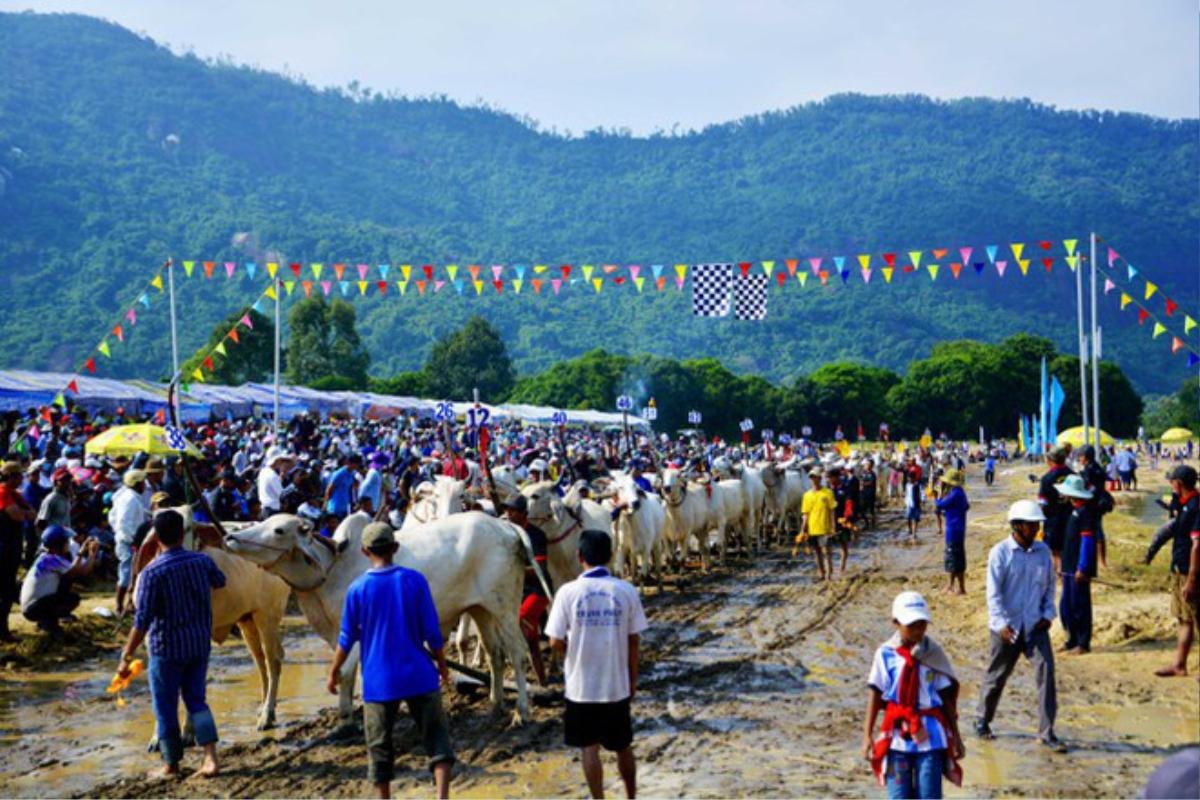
(606, 724)
(955, 558)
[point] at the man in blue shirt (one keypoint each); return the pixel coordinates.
(953, 506)
(174, 609)
(389, 613)
(339, 494)
(1020, 599)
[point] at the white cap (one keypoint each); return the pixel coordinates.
(539, 464)
(908, 607)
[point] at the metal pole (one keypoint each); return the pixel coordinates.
(1095, 351)
(174, 335)
(1083, 355)
(278, 337)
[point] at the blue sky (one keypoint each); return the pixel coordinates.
(654, 65)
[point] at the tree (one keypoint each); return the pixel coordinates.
(1120, 405)
(248, 360)
(404, 384)
(589, 381)
(845, 393)
(323, 342)
(472, 357)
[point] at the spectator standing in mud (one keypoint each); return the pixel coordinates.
(596, 621)
(14, 513)
(1020, 599)
(953, 506)
(174, 612)
(817, 524)
(913, 682)
(1184, 534)
(1078, 566)
(389, 613)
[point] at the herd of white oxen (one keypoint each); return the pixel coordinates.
(475, 561)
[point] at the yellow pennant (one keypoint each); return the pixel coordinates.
(914, 257)
(1018, 249)
(1159, 329)
(588, 269)
(680, 271)
(103, 348)
(1070, 245)
(933, 271)
(1125, 300)
(1023, 263)
(1188, 324)
(517, 282)
(272, 268)
(1072, 262)
(887, 274)
(220, 348)
(403, 287)
(864, 261)
(1150, 290)
(317, 269)
(598, 283)
(188, 266)
(639, 282)
(289, 287)
(452, 270)
(406, 271)
(802, 276)
(198, 374)
(270, 292)
(540, 269)
(768, 267)
(478, 287)
(157, 282)
(362, 287)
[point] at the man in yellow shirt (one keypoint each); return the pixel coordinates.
(817, 522)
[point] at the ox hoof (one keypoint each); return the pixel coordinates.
(266, 723)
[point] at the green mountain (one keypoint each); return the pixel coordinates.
(116, 153)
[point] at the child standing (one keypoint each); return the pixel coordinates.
(953, 505)
(912, 681)
(912, 501)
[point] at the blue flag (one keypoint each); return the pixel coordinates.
(1057, 396)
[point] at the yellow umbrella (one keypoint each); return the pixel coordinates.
(1075, 436)
(1176, 436)
(129, 440)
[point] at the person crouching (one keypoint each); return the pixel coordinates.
(46, 595)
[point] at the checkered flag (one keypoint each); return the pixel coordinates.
(710, 289)
(750, 297)
(175, 438)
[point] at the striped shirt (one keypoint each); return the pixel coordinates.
(174, 603)
(885, 676)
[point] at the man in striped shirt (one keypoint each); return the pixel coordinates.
(174, 611)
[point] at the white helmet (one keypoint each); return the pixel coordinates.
(1025, 511)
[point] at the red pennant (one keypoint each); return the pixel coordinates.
(780, 277)
(889, 259)
(939, 253)
(73, 387)
(90, 364)
(208, 363)
(428, 270)
(1045, 245)
(1171, 306)
(908, 267)
(295, 269)
(382, 287)
(208, 268)
(233, 334)
(566, 271)
(1176, 345)
(46, 415)
(618, 280)
(1143, 315)
(745, 268)
(499, 286)
(160, 416)
(1047, 262)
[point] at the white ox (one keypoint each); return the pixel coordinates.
(755, 493)
(690, 512)
(253, 600)
(637, 530)
(562, 520)
(785, 493)
(475, 564)
(435, 500)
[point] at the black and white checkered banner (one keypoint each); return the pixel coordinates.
(750, 297)
(710, 289)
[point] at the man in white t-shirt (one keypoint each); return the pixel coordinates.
(596, 620)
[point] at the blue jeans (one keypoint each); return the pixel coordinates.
(913, 775)
(168, 679)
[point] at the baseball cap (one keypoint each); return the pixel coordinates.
(908, 607)
(55, 535)
(517, 503)
(133, 477)
(377, 536)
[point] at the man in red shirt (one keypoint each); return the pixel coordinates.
(14, 513)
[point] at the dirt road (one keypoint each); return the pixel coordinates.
(753, 683)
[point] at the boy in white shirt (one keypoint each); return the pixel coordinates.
(595, 621)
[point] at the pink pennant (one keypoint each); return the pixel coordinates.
(497, 270)
(815, 264)
(325, 286)
(131, 315)
(1108, 286)
(634, 269)
(866, 275)
(1112, 256)
(679, 284)
(362, 272)
(1000, 265)
(229, 268)
(556, 283)
(247, 322)
(437, 285)
(965, 252)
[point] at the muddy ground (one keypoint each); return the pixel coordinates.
(753, 683)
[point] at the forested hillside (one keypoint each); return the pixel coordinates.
(116, 153)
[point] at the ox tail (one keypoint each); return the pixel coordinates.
(537, 568)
